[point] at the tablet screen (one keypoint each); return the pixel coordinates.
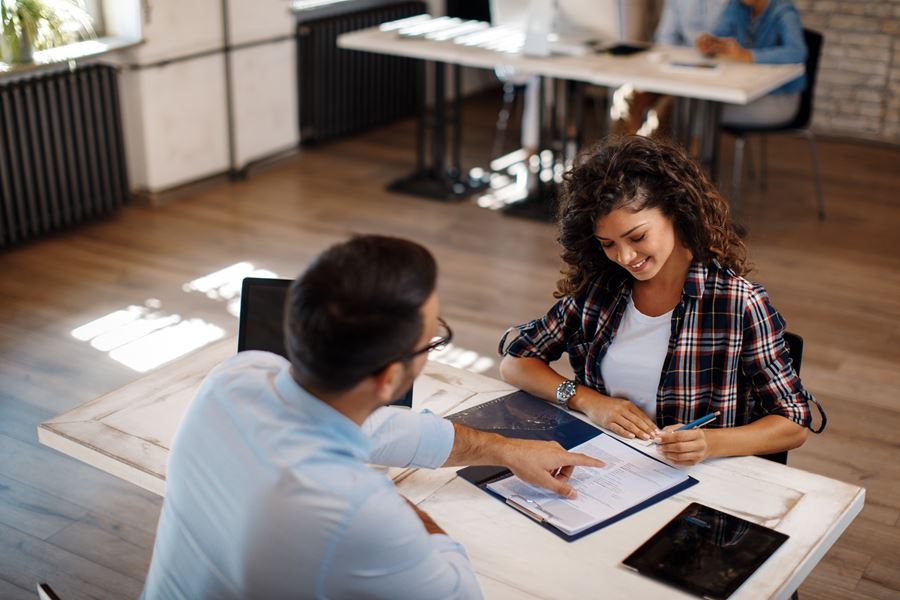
(705, 551)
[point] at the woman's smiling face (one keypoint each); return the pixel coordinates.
(640, 242)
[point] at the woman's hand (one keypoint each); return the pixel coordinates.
(686, 447)
(730, 48)
(726, 47)
(619, 416)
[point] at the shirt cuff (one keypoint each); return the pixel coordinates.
(435, 441)
(403, 438)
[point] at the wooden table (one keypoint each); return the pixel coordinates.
(703, 93)
(734, 83)
(128, 434)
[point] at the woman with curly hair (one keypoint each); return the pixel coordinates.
(659, 323)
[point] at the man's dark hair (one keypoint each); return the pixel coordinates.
(356, 309)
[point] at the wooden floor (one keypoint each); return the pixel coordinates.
(91, 535)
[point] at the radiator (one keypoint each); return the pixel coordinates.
(347, 91)
(62, 157)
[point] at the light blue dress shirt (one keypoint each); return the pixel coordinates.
(682, 21)
(268, 495)
(775, 37)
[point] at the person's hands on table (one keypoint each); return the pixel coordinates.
(685, 447)
(622, 417)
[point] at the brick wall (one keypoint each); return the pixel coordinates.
(858, 92)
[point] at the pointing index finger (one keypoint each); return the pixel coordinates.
(583, 460)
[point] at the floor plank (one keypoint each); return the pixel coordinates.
(30, 560)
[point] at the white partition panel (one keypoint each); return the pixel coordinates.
(255, 20)
(264, 89)
(173, 28)
(183, 121)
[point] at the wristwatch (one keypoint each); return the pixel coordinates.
(565, 392)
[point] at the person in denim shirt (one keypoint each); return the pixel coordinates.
(764, 32)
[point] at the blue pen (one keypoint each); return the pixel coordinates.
(700, 422)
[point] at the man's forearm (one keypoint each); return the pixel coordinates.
(473, 447)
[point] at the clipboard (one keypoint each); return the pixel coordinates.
(521, 415)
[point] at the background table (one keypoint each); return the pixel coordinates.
(704, 91)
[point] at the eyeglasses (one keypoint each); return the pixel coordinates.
(439, 342)
(445, 334)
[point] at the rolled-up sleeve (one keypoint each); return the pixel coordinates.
(766, 361)
(405, 438)
(545, 338)
(792, 48)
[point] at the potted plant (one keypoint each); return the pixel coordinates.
(27, 25)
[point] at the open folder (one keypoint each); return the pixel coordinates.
(631, 480)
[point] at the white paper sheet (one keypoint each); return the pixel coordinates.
(628, 479)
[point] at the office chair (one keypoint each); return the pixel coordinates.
(799, 125)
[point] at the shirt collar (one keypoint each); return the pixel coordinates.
(696, 280)
(333, 424)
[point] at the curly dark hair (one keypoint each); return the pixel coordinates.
(641, 172)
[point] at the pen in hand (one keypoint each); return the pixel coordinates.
(705, 420)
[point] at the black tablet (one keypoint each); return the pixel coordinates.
(705, 551)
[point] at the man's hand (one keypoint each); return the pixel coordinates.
(619, 416)
(430, 526)
(687, 447)
(545, 464)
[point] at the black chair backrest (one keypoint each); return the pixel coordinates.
(795, 349)
(813, 53)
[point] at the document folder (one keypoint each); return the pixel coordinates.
(521, 415)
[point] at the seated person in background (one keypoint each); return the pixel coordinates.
(268, 494)
(765, 32)
(659, 323)
(681, 23)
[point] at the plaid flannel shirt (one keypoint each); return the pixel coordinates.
(726, 350)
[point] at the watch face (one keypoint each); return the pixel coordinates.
(564, 392)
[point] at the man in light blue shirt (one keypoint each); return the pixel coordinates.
(268, 492)
(683, 21)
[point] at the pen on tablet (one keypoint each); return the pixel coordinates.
(700, 422)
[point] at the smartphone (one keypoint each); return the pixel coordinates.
(694, 65)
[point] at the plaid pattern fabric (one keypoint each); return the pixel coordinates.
(726, 349)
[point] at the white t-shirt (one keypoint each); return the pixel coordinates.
(633, 362)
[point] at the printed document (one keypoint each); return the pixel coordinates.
(628, 479)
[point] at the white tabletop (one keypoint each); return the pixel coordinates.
(128, 433)
(734, 82)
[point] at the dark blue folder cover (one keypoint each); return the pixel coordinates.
(521, 415)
